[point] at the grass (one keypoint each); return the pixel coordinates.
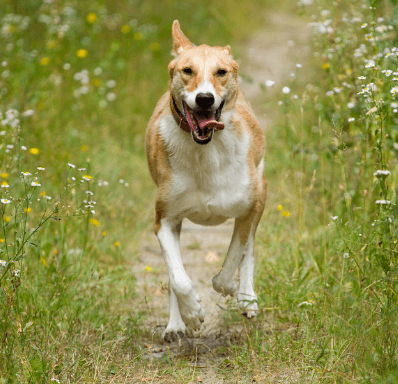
(327, 286)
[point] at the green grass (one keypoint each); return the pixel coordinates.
(324, 317)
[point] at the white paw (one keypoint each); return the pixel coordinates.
(223, 286)
(247, 302)
(192, 313)
(173, 332)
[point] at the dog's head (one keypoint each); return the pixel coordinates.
(203, 82)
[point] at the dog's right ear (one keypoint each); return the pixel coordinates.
(180, 41)
(171, 68)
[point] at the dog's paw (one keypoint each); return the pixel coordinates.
(192, 313)
(223, 286)
(247, 303)
(171, 335)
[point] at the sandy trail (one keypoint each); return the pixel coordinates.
(271, 54)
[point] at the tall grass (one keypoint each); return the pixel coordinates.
(328, 274)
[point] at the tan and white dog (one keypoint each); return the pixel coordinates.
(205, 151)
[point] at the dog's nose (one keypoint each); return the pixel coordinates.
(204, 100)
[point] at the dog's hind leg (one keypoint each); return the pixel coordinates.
(240, 253)
(247, 298)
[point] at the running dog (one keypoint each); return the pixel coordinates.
(205, 151)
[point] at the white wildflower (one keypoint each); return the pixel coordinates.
(305, 303)
(381, 172)
(110, 96)
(350, 105)
(269, 83)
(15, 272)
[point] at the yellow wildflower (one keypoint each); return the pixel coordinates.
(4, 175)
(43, 261)
(4, 183)
(104, 233)
(125, 29)
(91, 17)
(94, 221)
(82, 53)
(348, 71)
(84, 148)
(44, 61)
(97, 82)
(27, 210)
(34, 151)
(138, 36)
(2, 240)
(325, 66)
(280, 207)
(87, 177)
(148, 268)
(7, 219)
(43, 194)
(117, 244)
(155, 46)
(286, 213)
(50, 44)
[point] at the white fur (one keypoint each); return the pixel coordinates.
(210, 183)
(191, 312)
(247, 298)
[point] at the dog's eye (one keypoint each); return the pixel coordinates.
(187, 71)
(221, 72)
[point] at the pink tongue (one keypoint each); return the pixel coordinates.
(210, 123)
(204, 122)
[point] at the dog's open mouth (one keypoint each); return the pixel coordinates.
(203, 123)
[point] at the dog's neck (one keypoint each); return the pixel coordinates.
(178, 116)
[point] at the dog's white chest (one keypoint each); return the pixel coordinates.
(210, 183)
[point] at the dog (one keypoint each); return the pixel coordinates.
(205, 151)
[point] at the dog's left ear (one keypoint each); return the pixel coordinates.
(180, 41)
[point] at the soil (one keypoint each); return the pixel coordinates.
(271, 54)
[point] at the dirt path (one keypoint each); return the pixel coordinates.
(271, 54)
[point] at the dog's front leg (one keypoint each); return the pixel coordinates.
(181, 287)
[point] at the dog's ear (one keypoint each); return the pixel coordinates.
(235, 68)
(180, 41)
(171, 68)
(227, 49)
